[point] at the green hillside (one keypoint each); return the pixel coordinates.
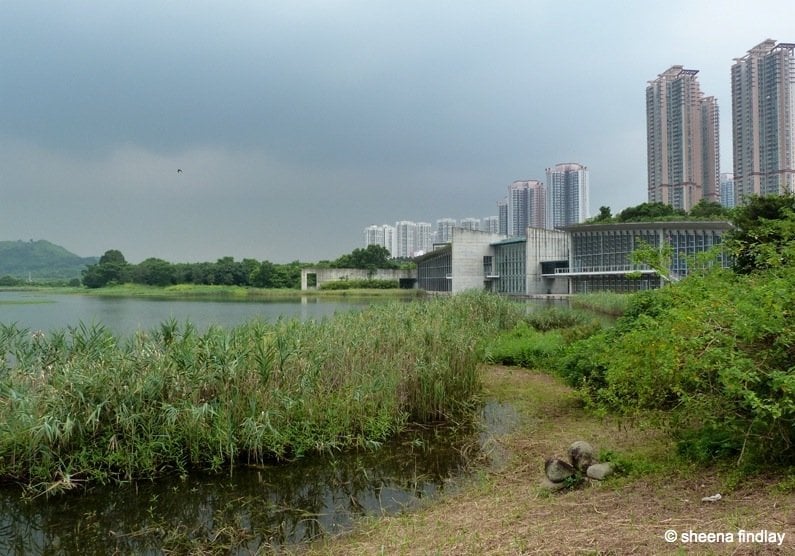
(40, 261)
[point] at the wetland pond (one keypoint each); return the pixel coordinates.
(272, 506)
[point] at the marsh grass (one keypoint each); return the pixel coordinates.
(79, 405)
(609, 303)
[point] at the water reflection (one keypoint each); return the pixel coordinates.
(267, 505)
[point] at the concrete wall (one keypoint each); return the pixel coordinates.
(469, 248)
(545, 245)
(333, 274)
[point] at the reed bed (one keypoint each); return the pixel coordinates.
(82, 406)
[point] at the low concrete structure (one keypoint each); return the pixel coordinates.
(319, 276)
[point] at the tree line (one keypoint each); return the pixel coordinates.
(113, 268)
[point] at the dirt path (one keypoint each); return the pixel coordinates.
(503, 511)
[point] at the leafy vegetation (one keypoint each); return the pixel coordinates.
(361, 284)
(81, 406)
(712, 356)
(650, 212)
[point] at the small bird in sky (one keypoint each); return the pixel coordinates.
(179, 170)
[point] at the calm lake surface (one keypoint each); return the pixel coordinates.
(124, 316)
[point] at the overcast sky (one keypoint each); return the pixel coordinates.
(298, 123)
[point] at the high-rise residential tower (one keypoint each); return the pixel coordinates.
(763, 120)
(682, 140)
(525, 207)
(727, 190)
(383, 235)
(444, 229)
(567, 195)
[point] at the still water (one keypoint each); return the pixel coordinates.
(123, 316)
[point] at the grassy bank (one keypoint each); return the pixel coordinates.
(503, 510)
(80, 405)
(198, 291)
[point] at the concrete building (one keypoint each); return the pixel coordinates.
(575, 259)
(566, 195)
(763, 120)
(683, 151)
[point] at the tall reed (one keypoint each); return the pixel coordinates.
(81, 405)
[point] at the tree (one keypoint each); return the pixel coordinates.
(112, 268)
(648, 211)
(112, 256)
(154, 272)
(764, 234)
(709, 209)
(605, 215)
(371, 257)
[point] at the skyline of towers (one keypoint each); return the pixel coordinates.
(682, 132)
(763, 120)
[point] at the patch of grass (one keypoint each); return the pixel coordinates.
(503, 511)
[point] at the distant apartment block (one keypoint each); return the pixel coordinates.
(412, 238)
(383, 235)
(682, 132)
(444, 229)
(727, 190)
(470, 224)
(491, 224)
(566, 195)
(763, 120)
(525, 207)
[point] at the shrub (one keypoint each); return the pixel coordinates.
(715, 353)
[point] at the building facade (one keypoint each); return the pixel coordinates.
(763, 120)
(444, 229)
(682, 133)
(727, 190)
(566, 195)
(525, 206)
(575, 259)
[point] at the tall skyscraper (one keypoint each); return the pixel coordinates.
(502, 216)
(727, 190)
(383, 235)
(525, 207)
(763, 120)
(682, 140)
(412, 238)
(567, 195)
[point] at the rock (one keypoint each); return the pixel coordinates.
(599, 471)
(549, 485)
(581, 455)
(558, 470)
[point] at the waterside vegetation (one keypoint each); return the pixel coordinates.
(80, 406)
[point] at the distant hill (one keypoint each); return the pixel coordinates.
(40, 260)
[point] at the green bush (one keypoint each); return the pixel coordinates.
(361, 285)
(715, 353)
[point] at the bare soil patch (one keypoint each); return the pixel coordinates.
(504, 511)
